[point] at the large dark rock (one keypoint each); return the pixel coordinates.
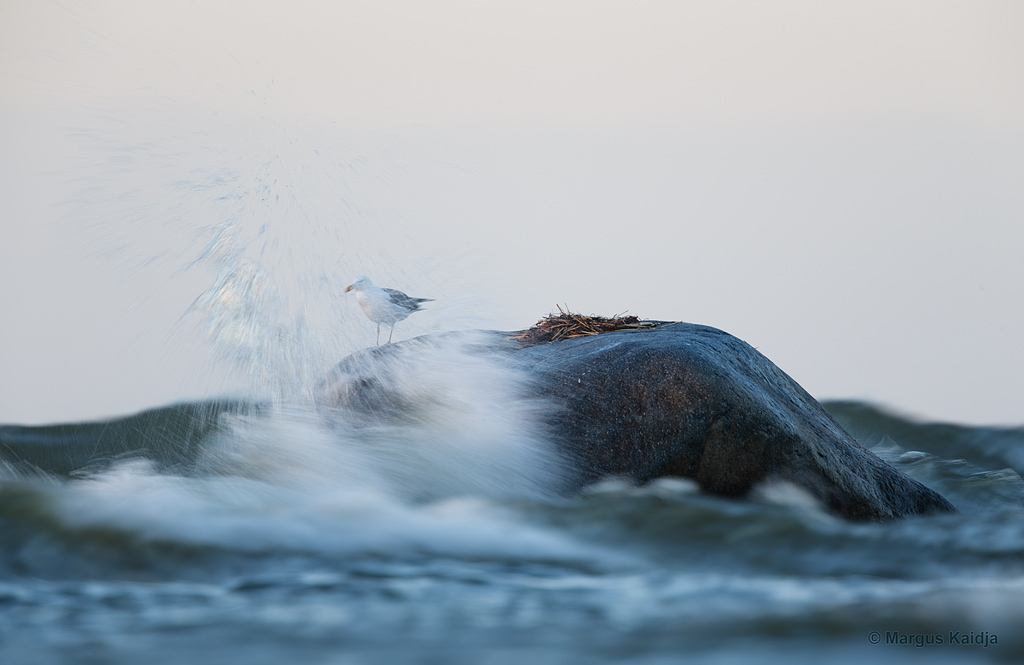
(692, 401)
(689, 401)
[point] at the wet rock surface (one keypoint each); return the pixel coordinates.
(693, 401)
(679, 400)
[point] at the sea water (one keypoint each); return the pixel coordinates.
(292, 531)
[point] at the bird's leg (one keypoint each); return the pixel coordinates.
(378, 334)
(392, 333)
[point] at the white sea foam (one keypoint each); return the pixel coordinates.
(304, 479)
(246, 515)
(457, 419)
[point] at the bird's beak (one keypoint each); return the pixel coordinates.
(348, 288)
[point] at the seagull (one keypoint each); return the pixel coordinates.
(384, 305)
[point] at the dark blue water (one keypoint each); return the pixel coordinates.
(227, 532)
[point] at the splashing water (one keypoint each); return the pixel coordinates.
(262, 224)
(276, 221)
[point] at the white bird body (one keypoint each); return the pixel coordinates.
(387, 306)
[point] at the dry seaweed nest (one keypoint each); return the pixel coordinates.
(566, 325)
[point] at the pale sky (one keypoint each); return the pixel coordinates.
(839, 183)
(573, 63)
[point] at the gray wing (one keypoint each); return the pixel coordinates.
(404, 301)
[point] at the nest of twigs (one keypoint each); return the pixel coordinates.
(566, 325)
